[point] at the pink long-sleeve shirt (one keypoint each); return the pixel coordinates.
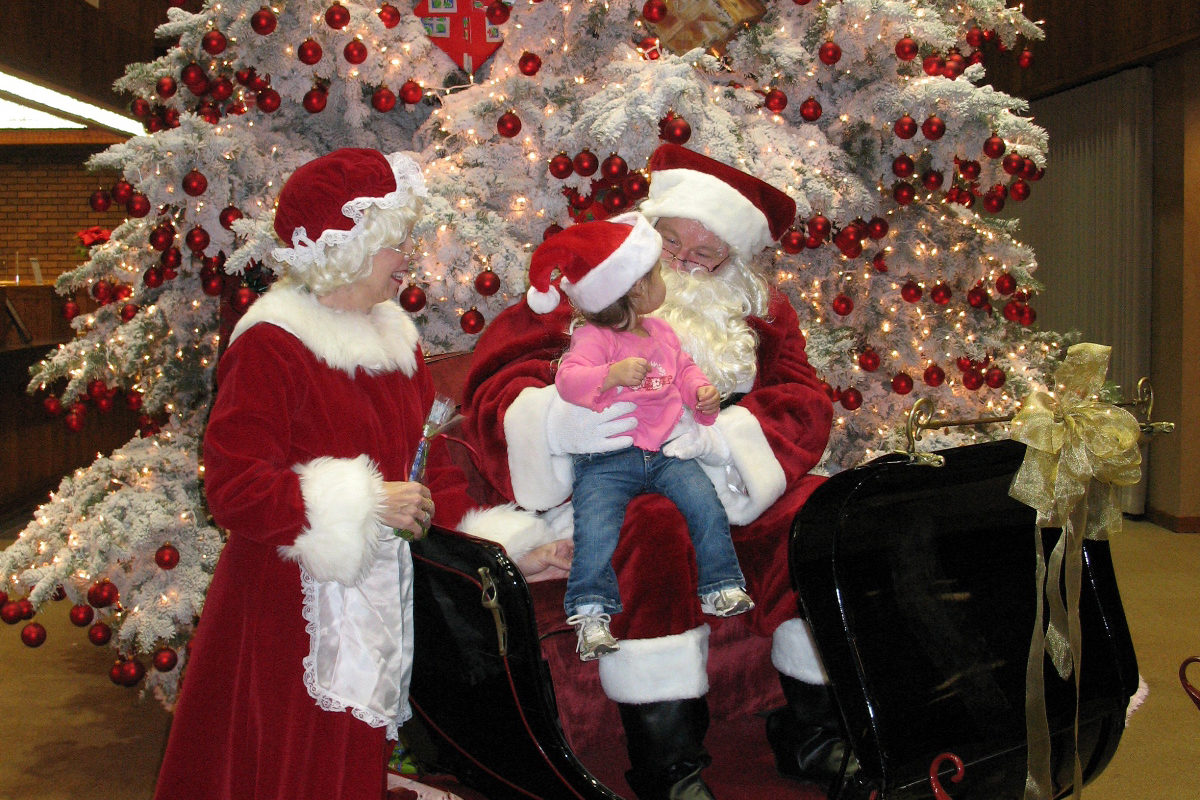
(670, 384)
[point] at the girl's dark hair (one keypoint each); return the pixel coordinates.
(618, 316)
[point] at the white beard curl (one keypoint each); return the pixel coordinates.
(708, 313)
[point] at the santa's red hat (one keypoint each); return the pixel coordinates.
(323, 202)
(747, 213)
(595, 263)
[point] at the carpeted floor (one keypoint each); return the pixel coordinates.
(70, 733)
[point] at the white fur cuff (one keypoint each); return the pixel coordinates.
(540, 480)
(342, 498)
(664, 668)
(515, 530)
(759, 478)
(794, 653)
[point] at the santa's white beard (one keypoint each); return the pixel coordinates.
(708, 312)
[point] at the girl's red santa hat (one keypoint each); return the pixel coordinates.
(323, 203)
(595, 263)
(747, 213)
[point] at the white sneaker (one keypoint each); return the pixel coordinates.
(594, 637)
(726, 602)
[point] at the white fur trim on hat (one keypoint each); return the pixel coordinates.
(383, 340)
(305, 254)
(514, 529)
(342, 499)
(756, 479)
(612, 278)
(794, 653)
(543, 302)
(663, 668)
(691, 194)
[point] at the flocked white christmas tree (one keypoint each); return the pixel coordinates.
(870, 113)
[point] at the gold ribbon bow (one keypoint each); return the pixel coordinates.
(1079, 451)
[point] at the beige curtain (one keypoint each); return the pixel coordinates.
(1089, 221)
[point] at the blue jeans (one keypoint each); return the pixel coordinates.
(604, 485)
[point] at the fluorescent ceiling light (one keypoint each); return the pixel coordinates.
(49, 101)
(14, 115)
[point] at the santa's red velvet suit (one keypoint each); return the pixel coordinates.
(776, 433)
(297, 676)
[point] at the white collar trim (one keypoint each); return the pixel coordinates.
(382, 340)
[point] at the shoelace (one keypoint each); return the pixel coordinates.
(584, 621)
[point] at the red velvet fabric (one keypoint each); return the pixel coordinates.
(245, 726)
(520, 350)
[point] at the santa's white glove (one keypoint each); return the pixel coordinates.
(575, 429)
(703, 442)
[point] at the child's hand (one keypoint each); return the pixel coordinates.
(708, 400)
(627, 372)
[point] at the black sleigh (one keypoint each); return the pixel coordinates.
(918, 583)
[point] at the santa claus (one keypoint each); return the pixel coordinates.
(772, 429)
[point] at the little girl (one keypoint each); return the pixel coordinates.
(610, 272)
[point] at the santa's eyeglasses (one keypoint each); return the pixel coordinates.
(708, 263)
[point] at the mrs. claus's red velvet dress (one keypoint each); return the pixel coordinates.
(315, 409)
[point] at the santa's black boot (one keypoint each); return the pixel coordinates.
(810, 743)
(666, 748)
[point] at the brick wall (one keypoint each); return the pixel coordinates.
(44, 195)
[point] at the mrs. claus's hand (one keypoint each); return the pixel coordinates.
(406, 506)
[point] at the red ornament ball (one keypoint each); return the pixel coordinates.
(411, 92)
(993, 202)
(905, 127)
(309, 52)
(129, 311)
(73, 421)
(654, 10)
(906, 49)
(792, 241)
(509, 125)
(614, 167)
(96, 388)
(842, 305)
(1025, 60)
(131, 672)
(776, 101)
(969, 169)
(166, 86)
(994, 146)
(933, 65)
(123, 291)
(268, 101)
(586, 163)
(197, 239)
(940, 294)
(487, 283)
(138, 205)
(879, 262)
(242, 299)
(472, 322)
(337, 17)
(122, 190)
(214, 43)
(902, 383)
(33, 634)
(877, 228)
(676, 130)
(160, 238)
(139, 108)
(498, 13)
(963, 363)
(100, 201)
(383, 100)
(11, 613)
(974, 36)
(153, 277)
(1019, 191)
(1013, 163)
(221, 89)
(529, 63)
(932, 179)
(933, 128)
(614, 200)
(230, 215)
(81, 615)
(903, 166)
(212, 285)
(263, 21)
(412, 299)
(810, 110)
(819, 226)
(165, 659)
(3, 597)
(389, 15)
(851, 399)
(911, 291)
(903, 193)
(995, 377)
(1028, 169)
(355, 51)
(561, 166)
(1026, 315)
(934, 375)
(977, 297)
(635, 185)
(53, 407)
(99, 634)
(102, 291)
(193, 75)
(955, 64)
(133, 399)
(829, 53)
(650, 48)
(550, 231)
(869, 360)
(26, 607)
(972, 379)
(167, 556)
(102, 594)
